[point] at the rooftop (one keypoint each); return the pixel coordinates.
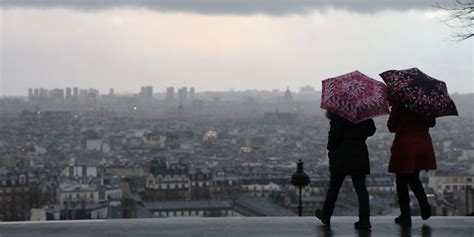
(238, 226)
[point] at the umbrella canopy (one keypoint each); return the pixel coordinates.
(354, 96)
(419, 93)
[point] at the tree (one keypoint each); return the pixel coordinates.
(460, 17)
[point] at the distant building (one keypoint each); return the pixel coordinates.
(201, 184)
(77, 194)
(125, 171)
(43, 94)
(146, 92)
(16, 196)
(68, 94)
(192, 93)
(93, 200)
(94, 144)
(169, 94)
(450, 182)
(75, 93)
(30, 94)
(183, 94)
(307, 89)
(194, 208)
(279, 117)
(56, 95)
(92, 99)
(167, 182)
(76, 171)
(286, 103)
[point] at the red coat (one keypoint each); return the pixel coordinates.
(412, 148)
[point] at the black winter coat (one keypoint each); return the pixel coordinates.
(348, 152)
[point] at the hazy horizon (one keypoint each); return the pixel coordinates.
(214, 46)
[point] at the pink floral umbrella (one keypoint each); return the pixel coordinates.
(354, 96)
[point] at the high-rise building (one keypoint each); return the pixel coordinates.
(307, 89)
(192, 93)
(75, 93)
(149, 92)
(68, 93)
(288, 97)
(56, 95)
(92, 99)
(36, 93)
(146, 92)
(169, 93)
(82, 97)
(43, 94)
(111, 91)
(30, 94)
(183, 94)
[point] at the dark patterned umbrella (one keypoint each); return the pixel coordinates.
(419, 92)
(354, 96)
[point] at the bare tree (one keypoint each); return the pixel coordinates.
(460, 17)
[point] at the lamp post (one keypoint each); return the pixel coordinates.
(300, 179)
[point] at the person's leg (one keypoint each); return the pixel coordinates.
(359, 185)
(417, 188)
(363, 196)
(335, 183)
(403, 199)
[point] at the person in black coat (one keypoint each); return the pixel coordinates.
(348, 155)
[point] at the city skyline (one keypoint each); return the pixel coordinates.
(163, 91)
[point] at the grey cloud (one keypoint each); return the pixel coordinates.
(270, 7)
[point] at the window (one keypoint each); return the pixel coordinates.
(468, 179)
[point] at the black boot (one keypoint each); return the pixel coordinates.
(405, 216)
(364, 220)
(425, 212)
(403, 220)
(325, 219)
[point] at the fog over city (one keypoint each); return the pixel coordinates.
(120, 109)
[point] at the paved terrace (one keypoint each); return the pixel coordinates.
(238, 226)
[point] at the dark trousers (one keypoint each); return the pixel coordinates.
(335, 183)
(412, 180)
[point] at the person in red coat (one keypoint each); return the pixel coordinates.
(411, 152)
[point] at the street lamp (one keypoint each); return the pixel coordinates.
(300, 179)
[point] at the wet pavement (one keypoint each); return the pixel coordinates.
(239, 226)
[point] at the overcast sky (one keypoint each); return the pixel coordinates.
(222, 44)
